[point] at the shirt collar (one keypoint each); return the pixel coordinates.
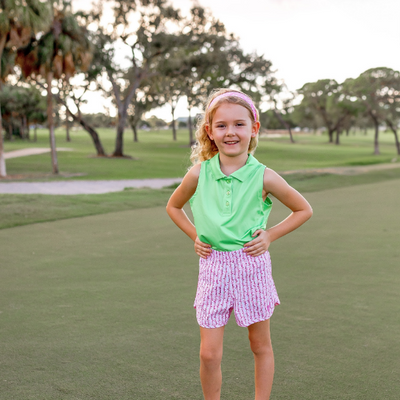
(240, 174)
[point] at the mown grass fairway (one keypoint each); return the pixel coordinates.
(23, 209)
(157, 156)
(100, 307)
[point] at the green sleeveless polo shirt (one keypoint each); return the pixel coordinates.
(227, 210)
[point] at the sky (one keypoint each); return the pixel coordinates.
(307, 40)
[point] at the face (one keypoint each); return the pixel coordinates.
(232, 129)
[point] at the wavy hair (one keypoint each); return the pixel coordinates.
(205, 148)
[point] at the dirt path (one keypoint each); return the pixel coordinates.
(70, 187)
(31, 152)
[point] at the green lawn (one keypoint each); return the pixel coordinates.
(22, 209)
(157, 156)
(100, 307)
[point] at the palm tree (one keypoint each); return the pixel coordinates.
(58, 54)
(19, 19)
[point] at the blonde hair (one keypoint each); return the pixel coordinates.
(205, 148)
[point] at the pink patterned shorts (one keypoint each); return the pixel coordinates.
(234, 280)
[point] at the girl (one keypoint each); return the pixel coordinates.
(228, 188)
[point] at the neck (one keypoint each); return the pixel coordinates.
(229, 165)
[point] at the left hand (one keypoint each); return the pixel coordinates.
(259, 245)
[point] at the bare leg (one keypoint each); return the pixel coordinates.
(260, 343)
(210, 362)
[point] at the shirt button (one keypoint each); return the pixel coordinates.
(228, 181)
(228, 192)
(227, 203)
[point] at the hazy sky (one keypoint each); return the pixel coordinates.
(307, 40)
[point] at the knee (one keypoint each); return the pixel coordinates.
(210, 356)
(261, 347)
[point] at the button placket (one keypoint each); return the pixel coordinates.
(227, 201)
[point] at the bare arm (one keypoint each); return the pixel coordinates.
(291, 198)
(179, 198)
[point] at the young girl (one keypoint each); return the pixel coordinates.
(228, 188)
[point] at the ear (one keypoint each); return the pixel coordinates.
(255, 129)
(209, 133)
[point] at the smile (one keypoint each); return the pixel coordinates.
(231, 142)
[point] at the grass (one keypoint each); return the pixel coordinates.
(157, 156)
(21, 209)
(100, 307)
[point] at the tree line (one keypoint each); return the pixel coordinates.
(164, 56)
(372, 99)
(144, 54)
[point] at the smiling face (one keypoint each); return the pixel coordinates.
(232, 129)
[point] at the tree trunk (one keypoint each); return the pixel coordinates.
(376, 136)
(23, 128)
(68, 138)
(119, 143)
(376, 140)
(173, 123)
(284, 123)
(135, 135)
(337, 141)
(93, 134)
(122, 112)
(28, 131)
(191, 140)
(10, 131)
(396, 137)
(3, 171)
(35, 134)
(78, 118)
(21, 131)
(330, 133)
(50, 123)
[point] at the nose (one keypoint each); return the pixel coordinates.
(230, 130)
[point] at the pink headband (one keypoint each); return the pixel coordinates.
(244, 97)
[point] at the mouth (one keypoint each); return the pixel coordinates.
(231, 142)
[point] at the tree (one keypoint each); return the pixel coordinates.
(274, 90)
(378, 91)
(212, 59)
(142, 103)
(149, 45)
(326, 99)
(75, 93)
(268, 120)
(304, 117)
(18, 21)
(172, 87)
(19, 105)
(392, 119)
(57, 54)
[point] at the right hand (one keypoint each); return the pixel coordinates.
(202, 249)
